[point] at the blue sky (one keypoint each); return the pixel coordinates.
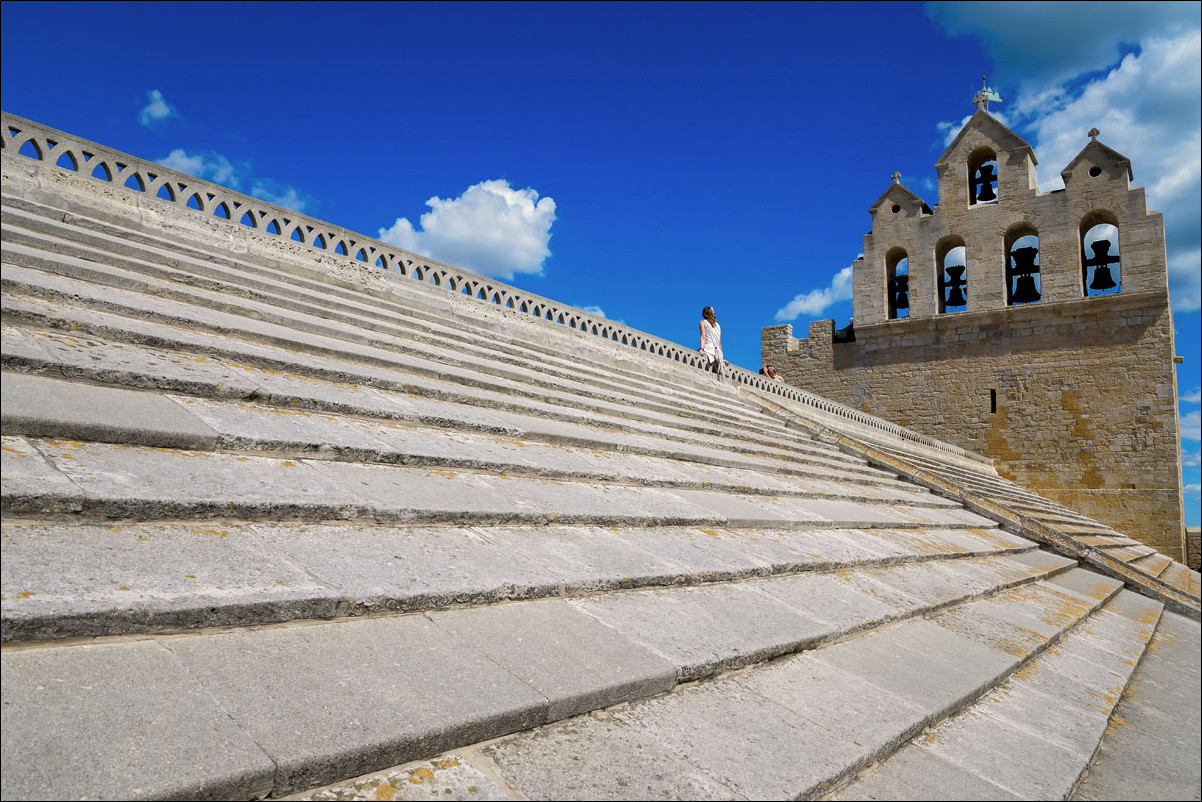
(639, 159)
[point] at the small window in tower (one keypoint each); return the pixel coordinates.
(993, 402)
(1100, 260)
(898, 289)
(1022, 271)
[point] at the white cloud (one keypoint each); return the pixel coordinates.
(1191, 460)
(1039, 46)
(1133, 70)
(1193, 489)
(287, 197)
(156, 111)
(491, 228)
(211, 166)
(595, 311)
(1191, 426)
(1194, 396)
(816, 301)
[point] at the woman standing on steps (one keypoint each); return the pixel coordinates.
(711, 341)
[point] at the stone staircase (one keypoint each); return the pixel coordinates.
(271, 523)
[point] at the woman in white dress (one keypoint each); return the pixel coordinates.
(711, 341)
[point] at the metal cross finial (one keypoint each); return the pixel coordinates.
(984, 97)
(896, 177)
(1094, 133)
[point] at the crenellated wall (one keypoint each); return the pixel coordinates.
(1073, 396)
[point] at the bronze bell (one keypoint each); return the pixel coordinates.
(1102, 280)
(1101, 261)
(1025, 268)
(984, 182)
(1024, 291)
(955, 286)
(901, 290)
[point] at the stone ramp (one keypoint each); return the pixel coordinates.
(272, 521)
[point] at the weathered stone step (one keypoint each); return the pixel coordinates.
(1153, 564)
(1150, 750)
(61, 410)
(783, 730)
(321, 358)
(223, 367)
(144, 483)
(165, 261)
(461, 352)
(78, 580)
(236, 711)
(989, 752)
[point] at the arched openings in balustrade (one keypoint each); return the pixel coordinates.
(897, 283)
(248, 220)
(166, 192)
(195, 202)
(135, 183)
(1023, 284)
(102, 173)
(1101, 271)
(222, 211)
(951, 268)
(67, 161)
(30, 149)
(273, 228)
(982, 177)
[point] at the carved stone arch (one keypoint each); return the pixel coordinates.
(983, 176)
(1098, 237)
(897, 282)
(1023, 263)
(30, 149)
(71, 163)
(951, 273)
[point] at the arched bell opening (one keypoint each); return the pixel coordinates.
(982, 177)
(951, 265)
(1023, 284)
(1101, 269)
(897, 274)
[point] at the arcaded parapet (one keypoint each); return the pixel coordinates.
(1032, 327)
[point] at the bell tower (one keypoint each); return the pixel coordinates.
(1030, 326)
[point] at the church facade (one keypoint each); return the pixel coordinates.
(1032, 327)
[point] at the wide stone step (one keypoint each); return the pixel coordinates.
(411, 377)
(451, 352)
(1151, 748)
(229, 276)
(989, 751)
(789, 729)
(290, 707)
(224, 368)
(145, 483)
(70, 580)
(56, 409)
